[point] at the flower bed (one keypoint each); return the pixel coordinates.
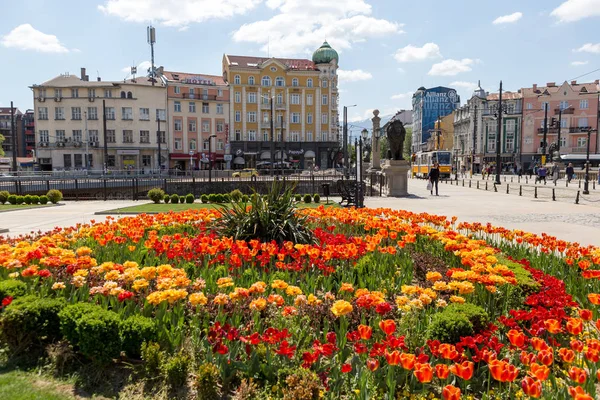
(384, 304)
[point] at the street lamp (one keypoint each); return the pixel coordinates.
(345, 137)
(586, 186)
(210, 157)
(191, 152)
(498, 133)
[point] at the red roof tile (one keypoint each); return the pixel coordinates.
(254, 62)
(181, 76)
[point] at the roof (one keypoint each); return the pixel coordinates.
(6, 110)
(256, 62)
(325, 54)
(173, 76)
(505, 96)
(67, 81)
(591, 87)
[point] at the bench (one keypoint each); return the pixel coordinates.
(347, 189)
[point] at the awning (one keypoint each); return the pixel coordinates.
(309, 154)
(265, 155)
(278, 155)
(183, 156)
(239, 160)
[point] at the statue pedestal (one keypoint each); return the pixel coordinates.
(396, 177)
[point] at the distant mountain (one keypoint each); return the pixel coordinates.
(367, 123)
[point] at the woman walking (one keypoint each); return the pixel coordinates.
(434, 177)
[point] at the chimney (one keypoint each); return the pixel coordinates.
(87, 78)
(83, 74)
(535, 86)
(573, 82)
(597, 81)
(551, 84)
(99, 79)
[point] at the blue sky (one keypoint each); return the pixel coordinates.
(388, 48)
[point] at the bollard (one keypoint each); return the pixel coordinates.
(486, 185)
(526, 180)
(580, 184)
(520, 190)
(507, 188)
(535, 193)
(511, 179)
(495, 188)
(553, 195)
(577, 198)
(566, 183)
(463, 183)
(504, 179)
(469, 183)
(477, 184)
(594, 185)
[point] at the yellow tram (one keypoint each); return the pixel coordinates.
(423, 161)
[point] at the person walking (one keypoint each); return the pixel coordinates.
(570, 171)
(554, 172)
(434, 177)
(541, 172)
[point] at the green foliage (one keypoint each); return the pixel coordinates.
(302, 385)
(35, 199)
(54, 196)
(478, 317)
(20, 199)
(449, 327)
(27, 199)
(226, 198)
(12, 199)
(176, 370)
(212, 198)
(207, 382)
(174, 198)
(236, 195)
(43, 199)
(317, 198)
(298, 197)
(4, 196)
(134, 331)
(153, 358)
(189, 198)
(12, 288)
(156, 195)
(204, 199)
(271, 217)
(30, 322)
(167, 198)
(307, 198)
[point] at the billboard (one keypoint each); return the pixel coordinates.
(436, 103)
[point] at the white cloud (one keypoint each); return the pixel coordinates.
(300, 26)
(26, 37)
(579, 63)
(368, 114)
(412, 53)
(451, 67)
(508, 19)
(354, 75)
(467, 86)
(575, 10)
(142, 68)
(176, 13)
(402, 96)
(589, 48)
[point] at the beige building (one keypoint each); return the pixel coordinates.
(69, 124)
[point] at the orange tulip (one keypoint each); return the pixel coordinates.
(592, 355)
(532, 388)
(578, 375)
(365, 332)
(448, 351)
(442, 371)
(598, 375)
(577, 393)
(576, 345)
(594, 298)
(585, 314)
(423, 372)
(552, 326)
(527, 358)
(388, 326)
(516, 338)
(392, 358)
(538, 344)
(541, 372)
(372, 364)
(503, 371)
(546, 357)
(451, 393)
(463, 370)
(567, 355)
(408, 360)
(575, 326)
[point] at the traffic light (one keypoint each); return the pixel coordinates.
(553, 122)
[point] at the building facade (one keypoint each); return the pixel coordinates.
(27, 144)
(428, 106)
(70, 132)
(6, 130)
(198, 117)
(442, 138)
(305, 110)
(468, 132)
(510, 135)
(579, 105)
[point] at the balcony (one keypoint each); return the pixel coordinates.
(579, 129)
(265, 106)
(280, 106)
(579, 150)
(569, 110)
(280, 124)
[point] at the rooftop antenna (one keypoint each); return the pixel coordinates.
(133, 71)
(269, 47)
(151, 33)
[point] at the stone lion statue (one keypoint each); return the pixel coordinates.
(395, 134)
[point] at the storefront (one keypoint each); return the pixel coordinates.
(128, 160)
(184, 162)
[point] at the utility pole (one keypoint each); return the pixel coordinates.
(104, 135)
(586, 186)
(13, 132)
(345, 137)
(151, 33)
(158, 161)
(559, 128)
(87, 143)
(271, 144)
(545, 133)
(474, 139)
(498, 134)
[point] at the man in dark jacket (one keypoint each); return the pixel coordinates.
(570, 171)
(434, 177)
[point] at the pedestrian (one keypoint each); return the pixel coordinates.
(434, 177)
(463, 171)
(554, 172)
(541, 174)
(570, 172)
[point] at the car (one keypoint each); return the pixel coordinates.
(245, 173)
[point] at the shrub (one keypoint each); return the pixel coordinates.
(153, 358)
(27, 199)
(207, 382)
(176, 370)
(219, 198)
(35, 199)
(189, 198)
(236, 195)
(449, 327)
(12, 288)
(245, 198)
(166, 199)
(307, 198)
(30, 322)
(226, 198)
(43, 199)
(212, 198)
(4, 196)
(134, 331)
(298, 197)
(156, 195)
(476, 315)
(96, 331)
(174, 198)
(54, 196)
(12, 199)
(204, 199)
(317, 198)
(20, 199)
(303, 384)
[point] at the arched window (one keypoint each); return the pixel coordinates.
(250, 80)
(266, 81)
(279, 81)
(295, 82)
(123, 95)
(237, 80)
(129, 95)
(309, 82)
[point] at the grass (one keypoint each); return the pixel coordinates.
(14, 207)
(151, 208)
(17, 385)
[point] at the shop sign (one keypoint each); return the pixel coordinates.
(296, 152)
(128, 152)
(199, 80)
(227, 157)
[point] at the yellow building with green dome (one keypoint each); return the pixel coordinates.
(305, 110)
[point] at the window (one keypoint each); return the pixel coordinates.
(265, 118)
(309, 118)
(93, 135)
(295, 136)
(545, 105)
(111, 136)
(43, 113)
(146, 160)
(238, 116)
(123, 95)
(205, 94)
(107, 93)
(529, 106)
(92, 113)
(295, 118)
(91, 93)
(510, 125)
(58, 93)
(78, 160)
(192, 107)
(77, 135)
(265, 81)
(145, 114)
(178, 145)
(265, 136)
(252, 136)
(279, 99)
(205, 108)
(295, 98)
(44, 136)
(127, 113)
(279, 81)
(237, 80)
(110, 113)
(220, 145)
(563, 141)
(582, 122)
(250, 80)
(583, 104)
(193, 145)
(220, 126)
(581, 142)
(144, 136)
(191, 126)
(177, 106)
(59, 113)
(162, 136)
(127, 136)
(309, 136)
(309, 99)
(75, 93)
(205, 145)
(60, 135)
(323, 136)
(192, 93)
(161, 114)
(324, 83)
(178, 125)
(323, 118)
(510, 108)
(111, 161)
(238, 135)
(67, 160)
(309, 82)
(252, 97)
(564, 104)
(295, 82)
(563, 123)
(205, 126)
(238, 97)
(324, 100)
(219, 108)
(252, 116)
(279, 137)
(220, 93)
(177, 90)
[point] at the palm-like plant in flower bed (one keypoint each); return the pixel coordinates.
(266, 218)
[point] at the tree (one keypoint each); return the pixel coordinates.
(1, 141)
(407, 151)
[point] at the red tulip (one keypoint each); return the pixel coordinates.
(6, 301)
(516, 338)
(442, 371)
(575, 326)
(578, 375)
(545, 357)
(392, 358)
(576, 345)
(585, 314)
(346, 368)
(365, 332)
(372, 364)
(532, 388)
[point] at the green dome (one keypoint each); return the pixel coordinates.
(325, 54)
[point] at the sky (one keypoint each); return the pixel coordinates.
(387, 48)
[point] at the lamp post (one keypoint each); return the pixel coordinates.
(158, 140)
(210, 138)
(586, 186)
(191, 152)
(498, 133)
(345, 138)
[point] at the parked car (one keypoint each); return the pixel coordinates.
(245, 173)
